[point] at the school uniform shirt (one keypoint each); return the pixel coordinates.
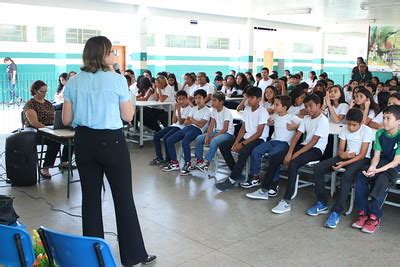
(184, 114)
(388, 145)
(209, 88)
(311, 84)
(371, 114)
(281, 133)
(221, 117)
(342, 109)
(355, 140)
(254, 118)
(318, 126)
(189, 89)
(379, 118)
(170, 93)
(200, 114)
(268, 105)
(263, 84)
(226, 91)
(296, 110)
(348, 96)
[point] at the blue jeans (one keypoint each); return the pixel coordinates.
(164, 134)
(273, 148)
(13, 91)
(214, 144)
(362, 193)
(187, 135)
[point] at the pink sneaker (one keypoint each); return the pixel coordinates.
(371, 225)
(360, 221)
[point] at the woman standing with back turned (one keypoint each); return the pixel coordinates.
(95, 101)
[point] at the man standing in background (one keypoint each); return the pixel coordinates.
(11, 71)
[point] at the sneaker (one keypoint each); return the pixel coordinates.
(318, 209)
(202, 166)
(282, 207)
(255, 181)
(224, 185)
(360, 221)
(171, 167)
(273, 192)
(332, 220)
(186, 169)
(371, 224)
(165, 164)
(258, 194)
(156, 162)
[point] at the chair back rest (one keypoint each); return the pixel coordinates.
(16, 247)
(71, 250)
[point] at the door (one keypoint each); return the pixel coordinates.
(269, 60)
(120, 57)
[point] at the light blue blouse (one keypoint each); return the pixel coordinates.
(95, 99)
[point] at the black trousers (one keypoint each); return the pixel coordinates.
(152, 117)
(244, 153)
(52, 151)
(100, 152)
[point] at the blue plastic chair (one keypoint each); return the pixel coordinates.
(71, 250)
(16, 247)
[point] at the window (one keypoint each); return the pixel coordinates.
(337, 50)
(151, 39)
(80, 36)
(45, 34)
(302, 48)
(217, 43)
(13, 33)
(182, 41)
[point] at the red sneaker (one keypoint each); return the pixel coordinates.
(371, 225)
(361, 220)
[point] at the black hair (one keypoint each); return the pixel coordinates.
(8, 58)
(342, 98)
(128, 79)
(60, 85)
(254, 91)
(69, 73)
(181, 93)
(252, 80)
(218, 73)
(219, 96)
(258, 75)
(380, 83)
(130, 71)
(207, 79)
(313, 98)
(265, 68)
(376, 78)
(295, 93)
(163, 73)
(36, 86)
(324, 75)
(285, 100)
(274, 90)
(172, 76)
(303, 85)
(395, 78)
(288, 71)
(361, 59)
(283, 78)
(368, 94)
(324, 82)
(320, 84)
(148, 71)
(143, 85)
(321, 95)
(355, 114)
(395, 95)
(200, 92)
(192, 76)
(383, 98)
(314, 74)
(329, 80)
(234, 72)
(395, 110)
(273, 76)
(245, 83)
(350, 82)
(218, 78)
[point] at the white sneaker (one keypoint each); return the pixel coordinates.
(258, 194)
(282, 207)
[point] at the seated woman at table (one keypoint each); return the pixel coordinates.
(39, 113)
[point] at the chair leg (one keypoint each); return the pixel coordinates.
(99, 256)
(351, 206)
(333, 183)
(296, 188)
(20, 249)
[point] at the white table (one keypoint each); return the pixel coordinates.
(64, 137)
(150, 103)
(233, 99)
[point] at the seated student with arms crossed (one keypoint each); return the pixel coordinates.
(315, 126)
(354, 152)
(196, 123)
(276, 148)
(382, 173)
(220, 130)
(253, 132)
(182, 110)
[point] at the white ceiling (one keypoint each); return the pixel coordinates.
(323, 12)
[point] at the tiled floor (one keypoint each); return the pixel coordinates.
(186, 221)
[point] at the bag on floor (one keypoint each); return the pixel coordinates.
(8, 215)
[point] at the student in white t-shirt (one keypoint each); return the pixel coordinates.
(354, 154)
(297, 95)
(335, 106)
(315, 127)
(182, 110)
(196, 123)
(364, 101)
(276, 148)
(269, 97)
(173, 82)
(203, 84)
(253, 132)
(189, 86)
(220, 130)
(377, 122)
(265, 80)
